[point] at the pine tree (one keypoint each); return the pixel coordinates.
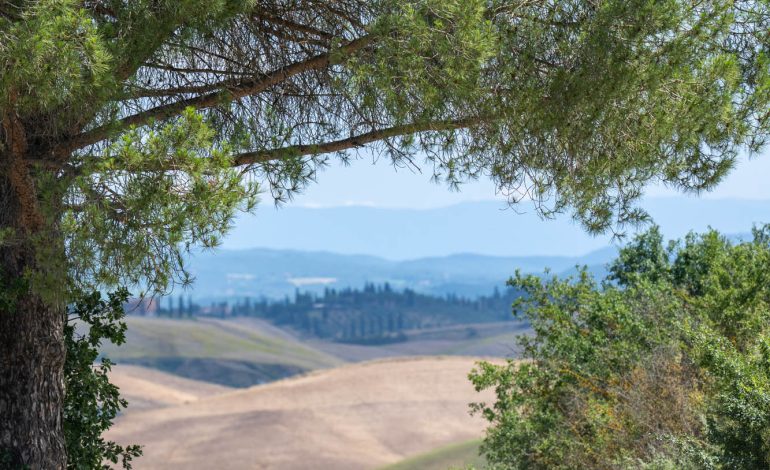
(132, 132)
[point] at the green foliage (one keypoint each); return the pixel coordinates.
(11, 289)
(146, 124)
(628, 102)
(148, 200)
(52, 55)
(664, 365)
(575, 104)
(428, 62)
(91, 402)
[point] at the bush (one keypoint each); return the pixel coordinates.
(665, 364)
(91, 402)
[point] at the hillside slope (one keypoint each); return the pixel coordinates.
(146, 388)
(228, 353)
(356, 416)
(454, 456)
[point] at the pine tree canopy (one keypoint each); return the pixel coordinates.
(137, 129)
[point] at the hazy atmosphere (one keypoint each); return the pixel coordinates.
(384, 234)
(381, 194)
(395, 228)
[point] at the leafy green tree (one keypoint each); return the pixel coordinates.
(664, 365)
(131, 132)
(91, 402)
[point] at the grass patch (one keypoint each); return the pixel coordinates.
(452, 456)
(161, 339)
(228, 372)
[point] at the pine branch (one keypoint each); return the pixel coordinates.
(248, 158)
(228, 92)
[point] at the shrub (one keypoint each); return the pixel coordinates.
(91, 402)
(664, 364)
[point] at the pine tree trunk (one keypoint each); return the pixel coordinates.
(31, 384)
(32, 346)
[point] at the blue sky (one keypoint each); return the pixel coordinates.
(380, 185)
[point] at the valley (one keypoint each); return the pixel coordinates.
(245, 351)
(357, 416)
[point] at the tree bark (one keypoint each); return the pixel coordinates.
(32, 346)
(31, 382)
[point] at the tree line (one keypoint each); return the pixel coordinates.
(372, 314)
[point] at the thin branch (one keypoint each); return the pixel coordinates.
(293, 25)
(248, 158)
(263, 156)
(136, 92)
(185, 70)
(228, 92)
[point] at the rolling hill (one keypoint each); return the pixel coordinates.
(146, 388)
(357, 416)
(241, 352)
(453, 456)
(224, 352)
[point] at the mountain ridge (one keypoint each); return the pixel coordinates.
(467, 249)
(485, 227)
(271, 273)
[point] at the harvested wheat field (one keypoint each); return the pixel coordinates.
(358, 416)
(146, 388)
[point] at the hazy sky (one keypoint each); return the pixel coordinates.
(364, 183)
(382, 186)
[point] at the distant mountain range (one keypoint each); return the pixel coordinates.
(467, 249)
(276, 273)
(486, 228)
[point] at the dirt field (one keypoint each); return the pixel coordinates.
(358, 416)
(146, 388)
